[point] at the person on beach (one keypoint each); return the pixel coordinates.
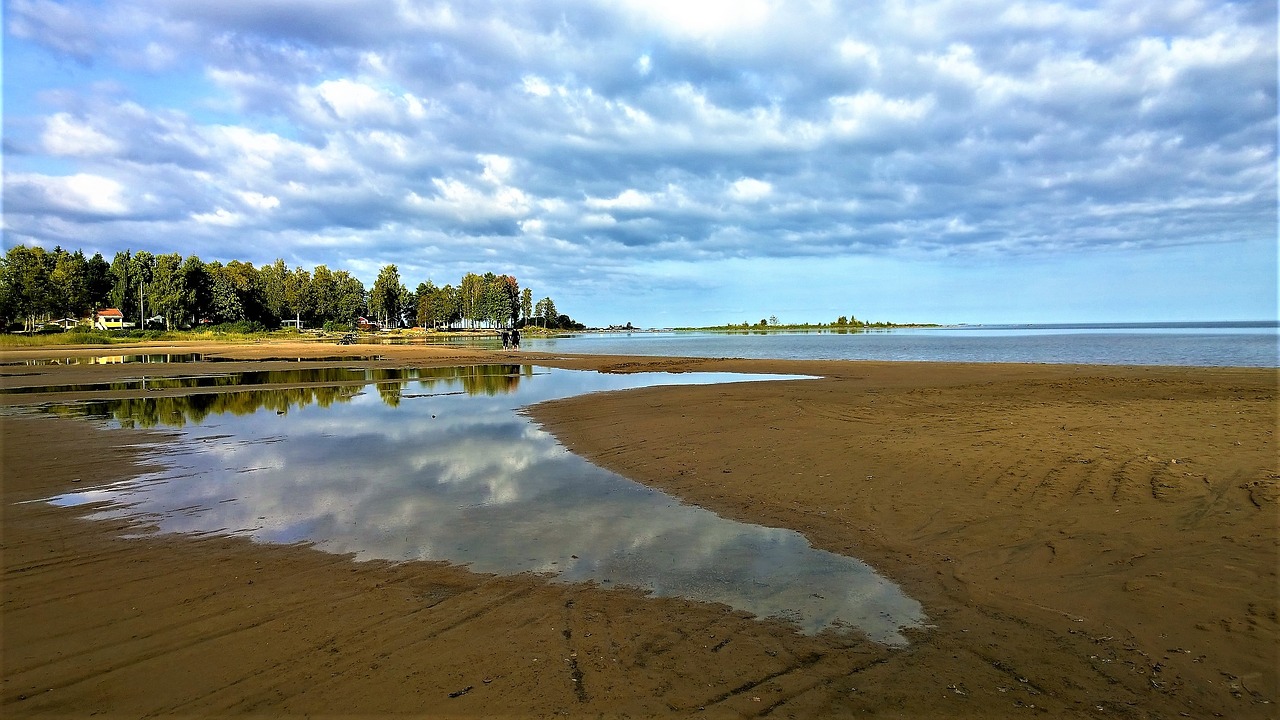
(515, 338)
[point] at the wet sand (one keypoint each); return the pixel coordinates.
(1087, 542)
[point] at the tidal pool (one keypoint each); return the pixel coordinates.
(445, 468)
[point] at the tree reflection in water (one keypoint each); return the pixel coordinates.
(391, 384)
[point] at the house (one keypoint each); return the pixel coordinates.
(108, 319)
(365, 324)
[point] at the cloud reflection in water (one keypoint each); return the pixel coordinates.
(414, 471)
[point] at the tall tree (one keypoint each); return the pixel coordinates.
(526, 304)
(426, 293)
(546, 312)
(123, 295)
(144, 267)
(352, 301)
(492, 300)
(470, 296)
(385, 297)
(451, 299)
(244, 280)
(98, 281)
(27, 284)
(324, 294)
(225, 304)
(168, 289)
(297, 293)
(198, 290)
(408, 306)
(70, 284)
(273, 280)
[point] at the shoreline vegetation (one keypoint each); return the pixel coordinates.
(838, 326)
(55, 290)
(238, 333)
(1085, 540)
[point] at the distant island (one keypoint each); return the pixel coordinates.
(848, 324)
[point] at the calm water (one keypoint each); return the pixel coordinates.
(1219, 345)
(444, 467)
(115, 359)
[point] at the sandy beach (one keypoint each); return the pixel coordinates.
(1086, 542)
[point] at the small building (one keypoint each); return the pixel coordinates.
(108, 319)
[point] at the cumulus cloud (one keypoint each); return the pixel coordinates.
(64, 135)
(641, 131)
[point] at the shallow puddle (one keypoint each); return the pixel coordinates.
(445, 468)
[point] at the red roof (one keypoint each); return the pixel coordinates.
(110, 312)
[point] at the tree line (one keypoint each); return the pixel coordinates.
(37, 285)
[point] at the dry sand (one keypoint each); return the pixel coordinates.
(1087, 542)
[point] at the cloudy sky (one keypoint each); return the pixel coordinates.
(672, 162)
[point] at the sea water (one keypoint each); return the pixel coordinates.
(1249, 344)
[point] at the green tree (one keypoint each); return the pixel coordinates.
(385, 297)
(273, 280)
(197, 290)
(169, 289)
(428, 297)
(451, 300)
(297, 293)
(494, 307)
(324, 294)
(69, 279)
(471, 298)
(123, 295)
(144, 268)
(27, 284)
(351, 301)
(247, 285)
(545, 311)
(408, 307)
(224, 299)
(510, 304)
(98, 281)
(526, 305)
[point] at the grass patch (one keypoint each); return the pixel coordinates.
(230, 333)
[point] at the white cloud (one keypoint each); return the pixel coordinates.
(536, 86)
(257, 200)
(750, 190)
(221, 217)
(345, 101)
(870, 113)
(65, 136)
(82, 193)
(629, 199)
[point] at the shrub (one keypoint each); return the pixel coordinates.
(242, 327)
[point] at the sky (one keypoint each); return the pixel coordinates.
(672, 162)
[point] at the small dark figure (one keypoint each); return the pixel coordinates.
(515, 338)
(506, 339)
